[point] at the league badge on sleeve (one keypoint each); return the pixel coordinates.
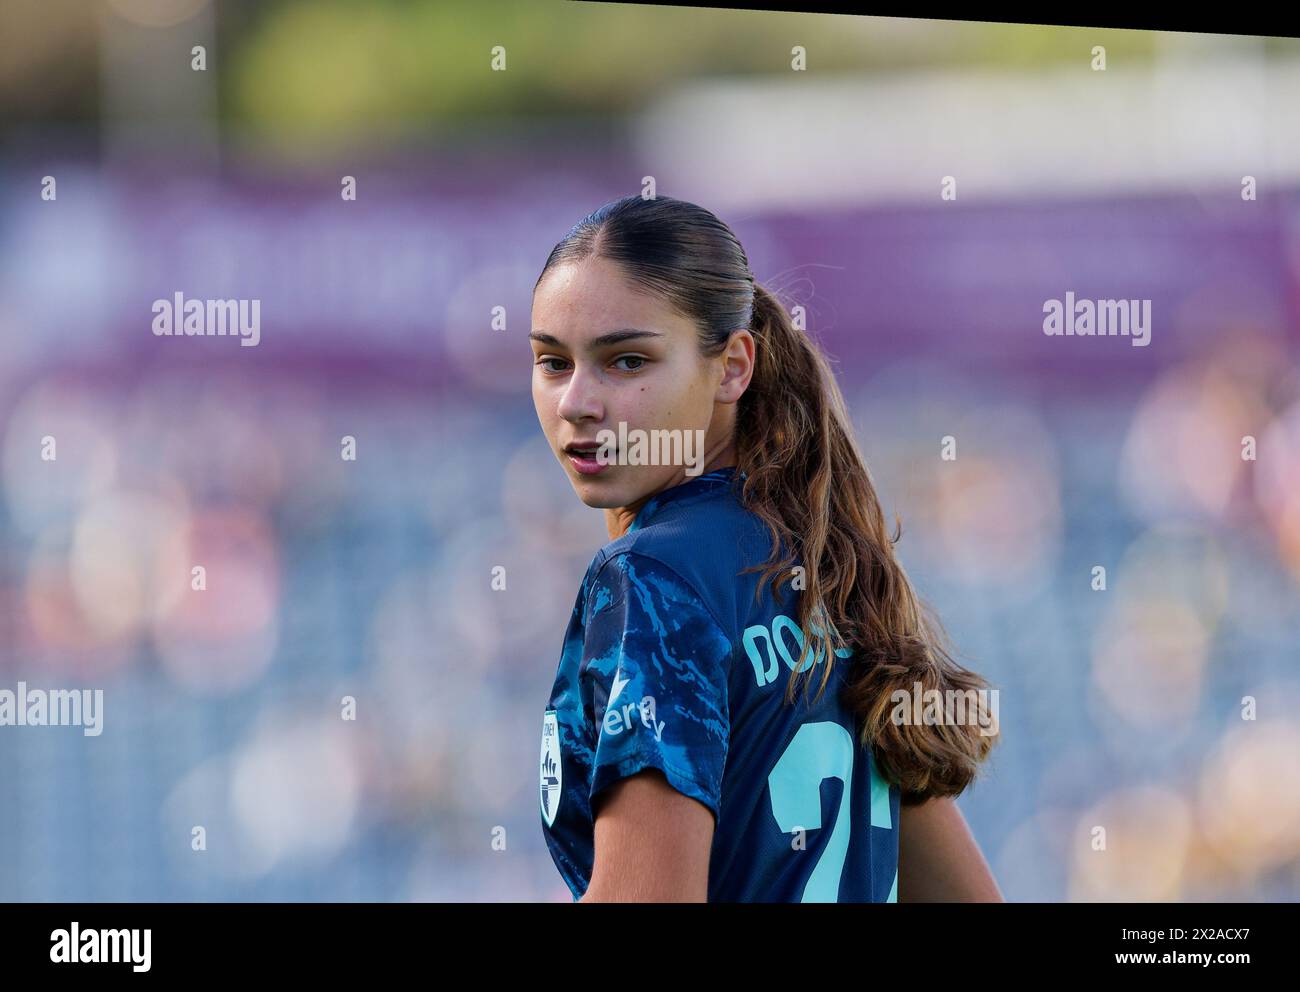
(551, 768)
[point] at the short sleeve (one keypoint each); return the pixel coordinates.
(656, 664)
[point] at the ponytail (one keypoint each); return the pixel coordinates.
(803, 475)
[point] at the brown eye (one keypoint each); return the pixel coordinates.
(631, 358)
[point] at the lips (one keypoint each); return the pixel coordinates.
(582, 456)
(582, 448)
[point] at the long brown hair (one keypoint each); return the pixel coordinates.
(806, 479)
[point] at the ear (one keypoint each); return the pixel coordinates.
(737, 366)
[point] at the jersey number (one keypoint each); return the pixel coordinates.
(820, 751)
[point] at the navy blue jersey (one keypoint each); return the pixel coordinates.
(669, 663)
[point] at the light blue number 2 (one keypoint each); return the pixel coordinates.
(820, 751)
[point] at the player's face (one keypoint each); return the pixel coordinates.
(651, 379)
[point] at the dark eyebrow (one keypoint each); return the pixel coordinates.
(613, 337)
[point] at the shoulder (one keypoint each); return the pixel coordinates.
(617, 574)
(692, 553)
(647, 622)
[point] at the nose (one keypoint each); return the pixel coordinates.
(580, 399)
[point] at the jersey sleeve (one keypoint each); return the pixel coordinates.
(656, 664)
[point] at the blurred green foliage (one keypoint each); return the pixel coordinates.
(337, 69)
(302, 75)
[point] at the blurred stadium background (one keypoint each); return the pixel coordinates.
(371, 578)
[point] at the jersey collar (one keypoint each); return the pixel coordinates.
(705, 483)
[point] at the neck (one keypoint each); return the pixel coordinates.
(619, 519)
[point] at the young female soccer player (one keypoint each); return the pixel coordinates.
(678, 761)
